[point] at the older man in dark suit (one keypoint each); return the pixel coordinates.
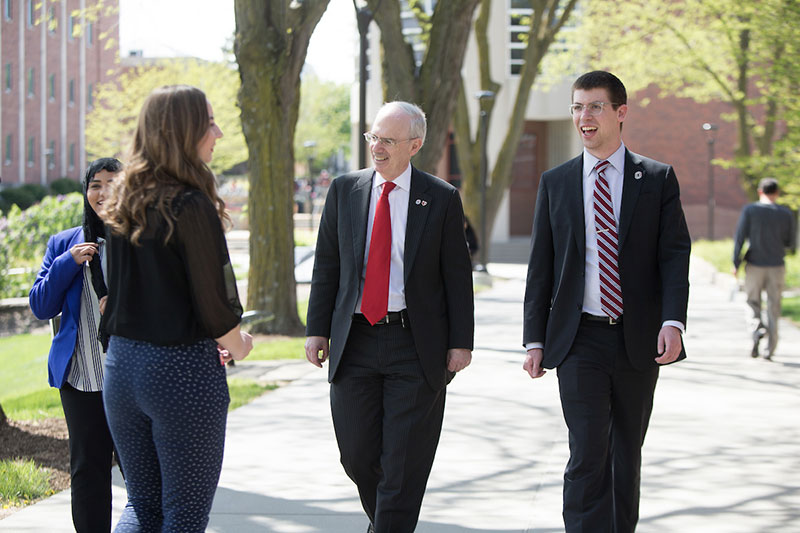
(605, 303)
(391, 305)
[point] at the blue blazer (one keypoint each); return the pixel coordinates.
(57, 289)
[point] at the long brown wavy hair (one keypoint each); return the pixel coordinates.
(164, 161)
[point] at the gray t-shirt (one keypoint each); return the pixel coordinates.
(769, 230)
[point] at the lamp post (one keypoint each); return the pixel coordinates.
(710, 130)
(483, 96)
(363, 18)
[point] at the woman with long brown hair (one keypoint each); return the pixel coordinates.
(172, 301)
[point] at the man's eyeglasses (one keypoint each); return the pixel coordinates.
(372, 138)
(595, 108)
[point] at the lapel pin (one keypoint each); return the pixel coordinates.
(424, 203)
(637, 175)
(418, 201)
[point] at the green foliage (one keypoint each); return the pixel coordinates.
(25, 233)
(720, 255)
(111, 123)
(22, 482)
(790, 308)
(66, 186)
(324, 119)
(243, 391)
(742, 53)
(25, 195)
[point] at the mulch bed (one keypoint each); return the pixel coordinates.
(44, 441)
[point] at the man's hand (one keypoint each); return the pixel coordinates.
(458, 359)
(669, 344)
(101, 303)
(533, 363)
(314, 345)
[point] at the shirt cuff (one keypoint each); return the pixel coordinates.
(675, 324)
(532, 345)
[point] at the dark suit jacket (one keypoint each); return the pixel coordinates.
(654, 248)
(57, 289)
(436, 267)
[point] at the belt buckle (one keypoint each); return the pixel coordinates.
(383, 321)
(612, 321)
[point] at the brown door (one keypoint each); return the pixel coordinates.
(525, 173)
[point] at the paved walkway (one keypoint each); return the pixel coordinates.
(722, 454)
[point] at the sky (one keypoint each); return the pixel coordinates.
(163, 28)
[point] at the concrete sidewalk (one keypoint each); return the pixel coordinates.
(722, 454)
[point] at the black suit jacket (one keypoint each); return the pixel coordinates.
(654, 248)
(436, 267)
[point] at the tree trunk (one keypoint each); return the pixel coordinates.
(435, 85)
(270, 46)
(548, 18)
(3, 419)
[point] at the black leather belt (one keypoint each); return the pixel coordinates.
(392, 317)
(601, 319)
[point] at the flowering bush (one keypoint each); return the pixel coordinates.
(24, 235)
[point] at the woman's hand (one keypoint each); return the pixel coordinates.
(83, 252)
(101, 303)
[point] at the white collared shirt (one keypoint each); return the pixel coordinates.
(398, 209)
(614, 175)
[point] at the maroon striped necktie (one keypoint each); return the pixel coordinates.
(607, 245)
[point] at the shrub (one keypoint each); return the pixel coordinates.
(66, 186)
(25, 233)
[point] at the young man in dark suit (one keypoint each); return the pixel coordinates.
(605, 302)
(391, 305)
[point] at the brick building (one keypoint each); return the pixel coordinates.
(54, 54)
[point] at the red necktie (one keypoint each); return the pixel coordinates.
(607, 244)
(375, 300)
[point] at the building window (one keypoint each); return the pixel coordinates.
(72, 28)
(518, 26)
(51, 155)
(89, 34)
(8, 148)
(31, 151)
(31, 81)
(71, 91)
(52, 86)
(72, 156)
(90, 96)
(7, 9)
(8, 77)
(31, 13)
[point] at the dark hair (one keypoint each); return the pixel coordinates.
(603, 80)
(93, 227)
(768, 186)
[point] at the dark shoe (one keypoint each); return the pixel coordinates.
(754, 353)
(768, 357)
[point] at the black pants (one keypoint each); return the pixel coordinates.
(607, 405)
(90, 455)
(387, 421)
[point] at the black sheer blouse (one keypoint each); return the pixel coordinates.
(176, 293)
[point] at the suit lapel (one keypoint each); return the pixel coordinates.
(359, 211)
(419, 204)
(631, 185)
(574, 199)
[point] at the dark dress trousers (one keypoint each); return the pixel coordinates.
(387, 381)
(607, 374)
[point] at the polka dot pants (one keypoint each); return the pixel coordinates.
(166, 408)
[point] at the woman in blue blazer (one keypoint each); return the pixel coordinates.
(71, 282)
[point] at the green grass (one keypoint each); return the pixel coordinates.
(43, 403)
(243, 391)
(283, 348)
(22, 482)
(23, 359)
(790, 308)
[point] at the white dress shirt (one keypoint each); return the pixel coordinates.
(398, 209)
